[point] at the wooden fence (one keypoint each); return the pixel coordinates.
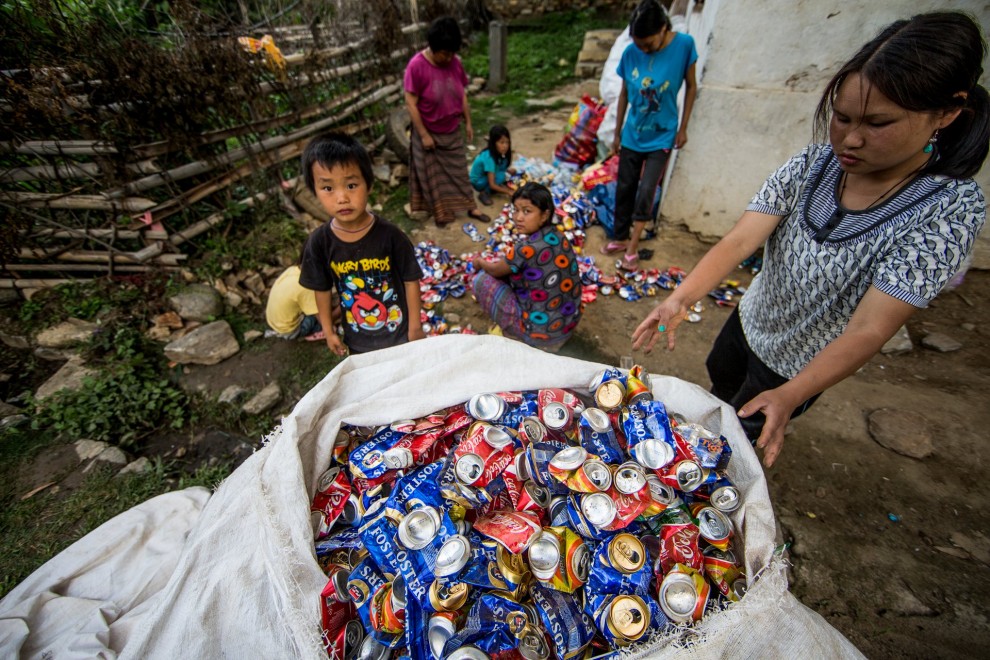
(77, 216)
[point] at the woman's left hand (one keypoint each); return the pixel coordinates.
(777, 406)
(470, 132)
(416, 332)
(680, 139)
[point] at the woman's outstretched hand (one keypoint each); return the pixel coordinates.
(662, 320)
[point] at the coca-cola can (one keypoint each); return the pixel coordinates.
(497, 437)
(336, 587)
(557, 417)
(516, 530)
(468, 468)
(533, 497)
(346, 643)
(532, 430)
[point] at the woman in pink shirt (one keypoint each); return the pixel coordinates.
(435, 96)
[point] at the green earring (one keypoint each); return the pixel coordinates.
(931, 143)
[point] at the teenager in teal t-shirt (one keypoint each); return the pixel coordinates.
(490, 167)
(652, 69)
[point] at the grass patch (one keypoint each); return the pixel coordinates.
(39, 528)
(541, 55)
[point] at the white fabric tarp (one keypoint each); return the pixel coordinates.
(234, 574)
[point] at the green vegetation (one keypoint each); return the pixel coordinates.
(541, 56)
(129, 399)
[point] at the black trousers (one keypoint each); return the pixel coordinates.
(738, 375)
(636, 186)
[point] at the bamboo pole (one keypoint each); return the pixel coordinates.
(87, 202)
(70, 268)
(201, 166)
(122, 234)
(70, 170)
(59, 147)
(34, 284)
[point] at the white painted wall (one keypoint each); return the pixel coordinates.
(765, 65)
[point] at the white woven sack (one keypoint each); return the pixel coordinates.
(237, 577)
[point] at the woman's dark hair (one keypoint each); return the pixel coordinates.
(332, 149)
(922, 64)
(444, 34)
(496, 133)
(538, 194)
(647, 19)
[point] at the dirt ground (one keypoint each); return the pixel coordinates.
(892, 551)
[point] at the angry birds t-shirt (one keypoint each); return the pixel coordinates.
(370, 276)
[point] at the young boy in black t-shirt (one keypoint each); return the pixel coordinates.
(368, 260)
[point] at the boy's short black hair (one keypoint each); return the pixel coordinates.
(444, 34)
(331, 149)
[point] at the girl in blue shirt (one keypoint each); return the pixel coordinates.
(489, 169)
(652, 69)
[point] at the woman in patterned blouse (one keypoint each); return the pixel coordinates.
(858, 231)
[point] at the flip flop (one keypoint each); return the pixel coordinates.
(319, 335)
(629, 263)
(612, 247)
(471, 230)
(479, 216)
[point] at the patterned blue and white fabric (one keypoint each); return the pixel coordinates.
(907, 247)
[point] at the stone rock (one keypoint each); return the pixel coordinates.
(209, 344)
(69, 377)
(159, 333)
(270, 272)
(114, 456)
(553, 127)
(899, 343)
(453, 317)
(87, 449)
(8, 297)
(69, 333)
(169, 320)
(593, 53)
(381, 171)
(255, 283)
(389, 156)
(231, 394)
(6, 410)
(54, 354)
(968, 327)
(136, 467)
(252, 335)
(903, 431)
(14, 341)
(940, 342)
(235, 300)
(198, 302)
(13, 421)
(904, 602)
(263, 400)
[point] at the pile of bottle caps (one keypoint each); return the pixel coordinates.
(536, 525)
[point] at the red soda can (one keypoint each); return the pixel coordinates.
(723, 570)
(683, 594)
(569, 399)
(332, 491)
(346, 643)
(516, 530)
(628, 507)
(679, 545)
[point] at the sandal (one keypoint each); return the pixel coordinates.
(479, 216)
(612, 247)
(629, 263)
(319, 335)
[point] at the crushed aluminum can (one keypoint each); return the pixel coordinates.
(724, 496)
(626, 553)
(557, 417)
(724, 572)
(544, 556)
(598, 437)
(683, 594)
(629, 478)
(532, 430)
(453, 556)
(713, 525)
(419, 527)
(598, 509)
(516, 530)
(486, 407)
(610, 394)
(440, 629)
(448, 596)
(592, 477)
